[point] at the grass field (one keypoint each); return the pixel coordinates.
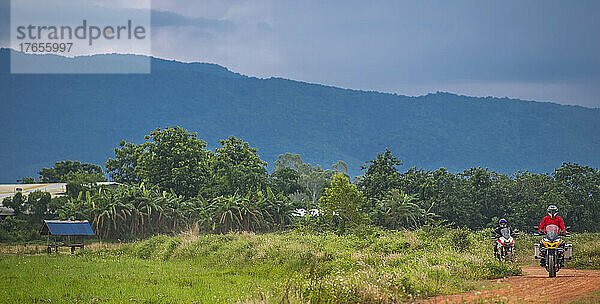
(373, 266)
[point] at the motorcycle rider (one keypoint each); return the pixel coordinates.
(502, 223)
(551, 219)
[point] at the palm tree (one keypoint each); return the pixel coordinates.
(398, 209)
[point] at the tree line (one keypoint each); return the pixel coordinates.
(172, 182)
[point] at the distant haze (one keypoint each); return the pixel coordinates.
(52, 117)
(536, 50)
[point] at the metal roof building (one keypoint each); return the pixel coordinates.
(67, 228)
(55, 189)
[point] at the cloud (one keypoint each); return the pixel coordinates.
(539, 49)
(237, 34)
(510, 48)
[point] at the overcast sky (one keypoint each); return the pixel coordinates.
(537, 50)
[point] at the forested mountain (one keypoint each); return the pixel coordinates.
(47, 118)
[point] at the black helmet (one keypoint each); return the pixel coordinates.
(552, 211)
(502, 222)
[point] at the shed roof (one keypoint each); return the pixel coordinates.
(67, 228)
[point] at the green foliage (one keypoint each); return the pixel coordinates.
(381, 176)
(158, 247)
(586, 251)
(13, 229)
(287, 181)
(38, 206)
(341, 204)
(461, 239)
(63, 171)
(310, 183)
(580, 186)
(34, 208)
(478, 197)
(80, 181)
(260, 212)
(367, 267)
(174, 159)
(237, 168)
(400, 210)
(186, 185)
(26, 180)
(16, 203)
(131, 211)
(122, 168)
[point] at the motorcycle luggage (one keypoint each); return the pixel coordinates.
(537, 251)
(568, 251)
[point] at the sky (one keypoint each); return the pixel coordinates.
(540, 50)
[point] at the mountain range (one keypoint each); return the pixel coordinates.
(52, 117)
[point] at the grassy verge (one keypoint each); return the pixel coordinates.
(71, 279)
(586, 251)
(367, 267)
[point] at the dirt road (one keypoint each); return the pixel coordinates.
(582, 286)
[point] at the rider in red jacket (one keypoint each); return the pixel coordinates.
(552, 219)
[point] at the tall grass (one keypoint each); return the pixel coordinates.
(367, 266)
(586, 251)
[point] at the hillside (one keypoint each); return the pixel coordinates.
(46, 118)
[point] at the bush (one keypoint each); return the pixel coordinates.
(586, 251)
(461, 238)
(13, 229)
(159, 247)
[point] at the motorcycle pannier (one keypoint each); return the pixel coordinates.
(537, 251)
(568, 251)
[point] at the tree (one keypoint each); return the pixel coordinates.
(176, 159)
(479, 183)
(341, 167)
(26, 180)
(341, 204)
(287, 181)
(123, 168)
(314, 179)
(16, 203)
(581, 187)
(288, 160)
(442, 193)
(400, 210)
(79, 181)
(61, 170)
(237, 168)
(381, 176)
(37, 206)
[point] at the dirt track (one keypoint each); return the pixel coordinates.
(535, 287)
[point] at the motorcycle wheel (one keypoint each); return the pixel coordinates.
(551, 266)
